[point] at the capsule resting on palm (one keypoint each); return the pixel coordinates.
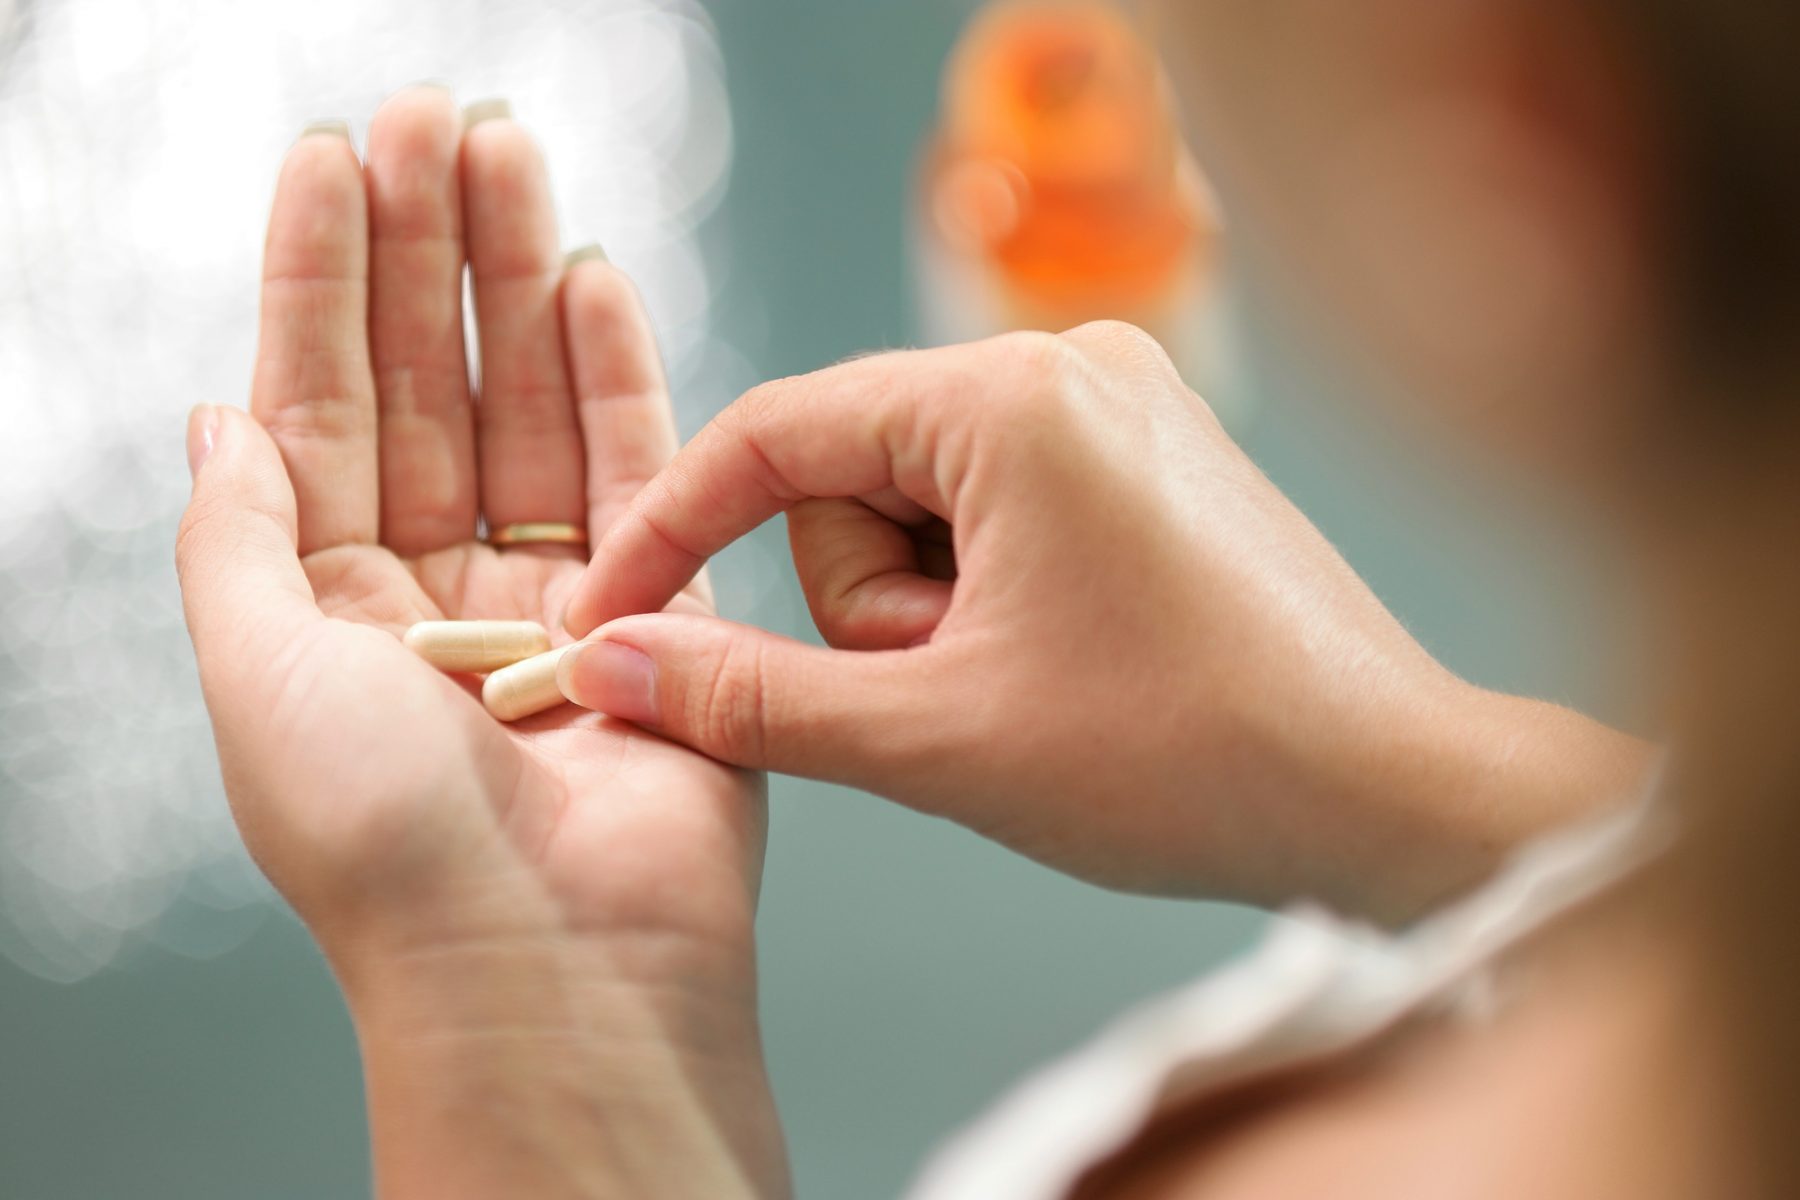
(516, 692)
(478, 646)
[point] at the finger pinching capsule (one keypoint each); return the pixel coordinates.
(477, 646)
(516, 692)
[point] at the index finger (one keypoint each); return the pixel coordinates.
(849, 430)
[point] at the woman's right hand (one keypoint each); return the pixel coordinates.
(1067, 611)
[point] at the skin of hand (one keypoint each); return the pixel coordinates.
(1064, 609)
(544, 930)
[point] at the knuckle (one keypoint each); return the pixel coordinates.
(1024, 374)
(330, 411)
(1128, 345)
(726, 711)
(756, 405)
(196, 536)
(746, 418)
(1035, 355)
(1115, 334)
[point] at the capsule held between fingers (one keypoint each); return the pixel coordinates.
(516, 692)
(478, 646)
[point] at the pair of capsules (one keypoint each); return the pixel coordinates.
(514, 655)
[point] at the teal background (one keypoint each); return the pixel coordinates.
(911, 971)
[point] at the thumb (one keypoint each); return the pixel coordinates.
(752, 699)
(241, 578)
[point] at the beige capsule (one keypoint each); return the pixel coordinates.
(516, 692)
(476, 645)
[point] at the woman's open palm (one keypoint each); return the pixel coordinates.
(377, 792)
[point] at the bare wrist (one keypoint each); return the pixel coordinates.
(1486, 773)
(537, 1068)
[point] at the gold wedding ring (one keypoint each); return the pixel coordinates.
(538, 533)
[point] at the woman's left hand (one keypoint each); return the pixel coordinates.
(544, 930)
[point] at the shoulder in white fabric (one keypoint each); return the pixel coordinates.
(1316, 987)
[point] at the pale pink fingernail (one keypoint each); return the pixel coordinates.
(202, 432)
(592, 252)
(326, 129)
(494, 109)
(610, 678)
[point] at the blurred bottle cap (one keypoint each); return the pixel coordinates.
(1063, 90)
(1059, 159)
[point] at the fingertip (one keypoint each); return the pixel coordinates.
(576, 625)
(506, 196)
(435, 101)
(893, 622)
(318, 223)
(232, 417)
(419, 122)
(576, 621)
(245, 489)
(209, 427)
(600, 602)
(596, 292)
(501, 154)
(612, 678)
(225, 428)
(612, 346)
(245, 448)
(587, 610)
(325, 144)
(566, 682)
(597, 598)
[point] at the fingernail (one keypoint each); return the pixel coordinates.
(327, 129)
(202, 433)
(441, 85)
(592, 252)
(609, 678)
(486, 110)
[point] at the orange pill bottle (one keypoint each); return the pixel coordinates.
(1057, 188)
